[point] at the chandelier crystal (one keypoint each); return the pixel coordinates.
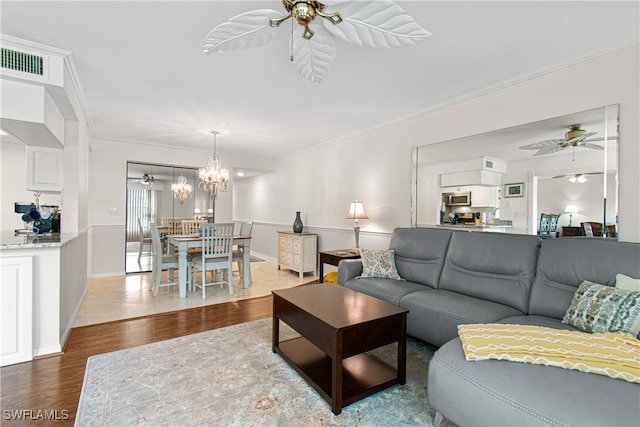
(181, 190)
(213, 178)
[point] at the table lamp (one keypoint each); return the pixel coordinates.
(356, 211)
(571, 209)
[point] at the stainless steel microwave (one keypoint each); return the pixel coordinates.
(457, 199)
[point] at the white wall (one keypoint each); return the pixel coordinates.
(375, 166)
(555, 194)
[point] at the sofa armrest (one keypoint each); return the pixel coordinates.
(348, 269)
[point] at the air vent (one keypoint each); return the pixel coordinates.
(20, 61)
(488, 164)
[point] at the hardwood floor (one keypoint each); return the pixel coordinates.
(53, 384)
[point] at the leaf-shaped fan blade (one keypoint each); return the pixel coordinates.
(249, 29)
(592, 146)
(542, 144)
(550, 149)
(312, 58)
(375, 24)
(580, 138)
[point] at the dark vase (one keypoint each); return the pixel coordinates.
(297, 224)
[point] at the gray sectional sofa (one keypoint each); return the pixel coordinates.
(458, 277)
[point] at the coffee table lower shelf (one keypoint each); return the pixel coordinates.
(362, 374)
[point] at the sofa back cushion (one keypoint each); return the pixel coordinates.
(420, 253)
(563, 264)
(492, 266)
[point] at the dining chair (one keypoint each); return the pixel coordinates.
(217, 241)
(191, 226)
(238, 250)
(162, 262)
(548, 225)
(143, 240)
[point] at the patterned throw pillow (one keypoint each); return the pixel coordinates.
(379, 263)
(598, 308)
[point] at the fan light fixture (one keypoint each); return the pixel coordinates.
(213, 178)
(181, 190)
(147, 179)
(577, 179)
(372, 24)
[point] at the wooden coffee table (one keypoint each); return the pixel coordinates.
(338, 326)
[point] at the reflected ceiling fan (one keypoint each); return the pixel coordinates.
(313, 46)
(577, 178)
(576, 137)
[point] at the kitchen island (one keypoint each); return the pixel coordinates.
(44, 280)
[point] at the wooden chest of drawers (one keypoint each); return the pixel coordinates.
(298, 252)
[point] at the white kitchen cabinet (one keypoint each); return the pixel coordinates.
(16, 316)
(485, 197)
(298, 252)
(44, 169)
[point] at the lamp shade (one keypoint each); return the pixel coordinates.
(571, 209)
(356, 211)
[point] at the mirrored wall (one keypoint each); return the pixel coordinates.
(512, 176)
(150, 199)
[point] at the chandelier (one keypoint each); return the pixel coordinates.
(181, 190)
(213, 178)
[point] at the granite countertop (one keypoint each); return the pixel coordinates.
(10, 240)
(473, 226)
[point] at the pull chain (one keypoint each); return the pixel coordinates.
(291, 43)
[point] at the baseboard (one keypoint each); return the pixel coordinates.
(72, 320)
(46, 351)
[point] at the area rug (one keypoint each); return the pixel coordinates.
(230, 377)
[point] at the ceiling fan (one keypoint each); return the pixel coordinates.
(313, 46)
(577, 178)
(576, 137)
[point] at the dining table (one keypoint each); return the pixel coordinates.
(187, 241)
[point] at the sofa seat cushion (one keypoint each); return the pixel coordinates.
(389, 290)
(434, 315)
(502, 393)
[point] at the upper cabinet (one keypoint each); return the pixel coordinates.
(485, 197)
(44, 169)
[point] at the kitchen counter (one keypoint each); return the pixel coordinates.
(457, 226)
(47, 276)
(496, 228)
(10, 240)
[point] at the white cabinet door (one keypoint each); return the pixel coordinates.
(484, 197)
(16, 316)
(44, 169)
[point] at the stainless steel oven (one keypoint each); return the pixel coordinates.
(457, 199)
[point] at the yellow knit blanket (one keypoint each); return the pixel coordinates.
(610, 354)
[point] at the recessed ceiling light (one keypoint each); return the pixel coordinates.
(240, 173)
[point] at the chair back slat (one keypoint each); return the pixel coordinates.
(217, 239)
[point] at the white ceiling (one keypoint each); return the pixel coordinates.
(145, 79)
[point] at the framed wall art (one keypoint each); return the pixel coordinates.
(514, 190)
